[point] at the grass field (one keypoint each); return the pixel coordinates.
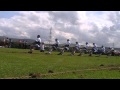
(17, 63)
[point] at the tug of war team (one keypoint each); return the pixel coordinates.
(75, 49)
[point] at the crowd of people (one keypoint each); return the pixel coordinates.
(9, 43)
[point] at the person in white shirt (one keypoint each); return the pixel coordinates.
(57, 42)
(37, 44)
(95, 49)
(67, 45)
(110, 51)
(77, 46)
(103, 49)
(86, 47)
(38, 41)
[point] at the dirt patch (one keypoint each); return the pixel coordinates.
(101, 64)
(50, 71)
(34, 75)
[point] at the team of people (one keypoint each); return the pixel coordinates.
(77, 48)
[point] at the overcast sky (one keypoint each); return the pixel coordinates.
(100, 27)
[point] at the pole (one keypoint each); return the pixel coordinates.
(50, 37)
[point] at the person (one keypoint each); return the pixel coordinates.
(94, 49)
(103, 49)
(86, 47)
(42, 47)
(37, 44)
(77, 46)
(109, 51)
(67, 45)
(56, 45)
(38, 41)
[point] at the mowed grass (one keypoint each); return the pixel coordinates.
(18, 63)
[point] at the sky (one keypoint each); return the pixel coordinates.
(100, 27)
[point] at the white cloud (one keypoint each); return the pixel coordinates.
(101, 27)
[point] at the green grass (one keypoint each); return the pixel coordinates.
(17, 63)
